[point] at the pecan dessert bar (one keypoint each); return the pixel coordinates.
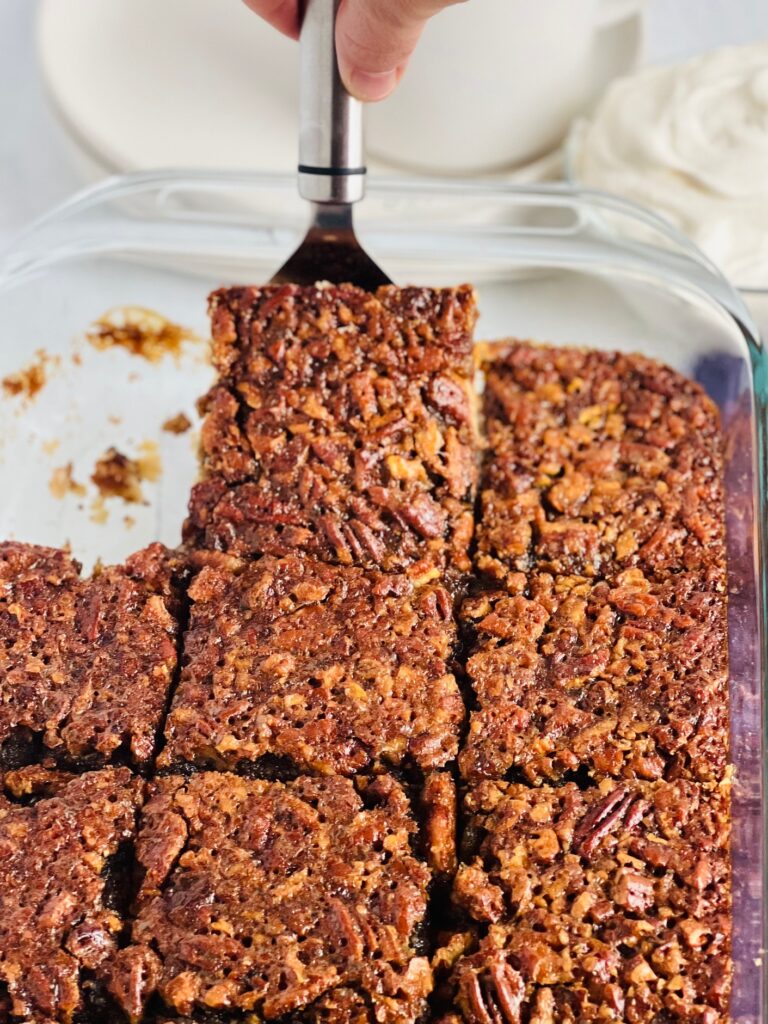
(295, 666)
(574, 677)
(340, 426)
(598, 461)
(85, 664)
(286, 900)
(608, 904)
(63, 883)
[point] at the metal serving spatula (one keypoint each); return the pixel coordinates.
(331, 166)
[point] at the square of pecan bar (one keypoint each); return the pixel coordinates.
(340, 425)
(64, 880)
(295, 666)
(299, 900)
(85, 664)
(579, 678)
(608, 904)
(597, 462)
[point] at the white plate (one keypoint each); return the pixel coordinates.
(142, 84)
(156, 84)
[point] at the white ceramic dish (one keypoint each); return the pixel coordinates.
(201, 83)
(495, 83)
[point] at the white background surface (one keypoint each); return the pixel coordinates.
(36, 167)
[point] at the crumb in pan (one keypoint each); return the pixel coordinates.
(178, 424)
(62, 483)
(118, 476)
(29, 381)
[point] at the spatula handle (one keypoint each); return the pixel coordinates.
(331, 163)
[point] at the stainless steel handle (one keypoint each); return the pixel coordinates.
(331, 164)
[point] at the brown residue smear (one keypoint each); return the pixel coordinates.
(178, 424)
(150, 466)
(63, 483)
(118, 476)
(31, 379)
(140, 331)
(51, 445)
(128, 522)
(99, 513)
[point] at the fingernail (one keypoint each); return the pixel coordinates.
(371, 86)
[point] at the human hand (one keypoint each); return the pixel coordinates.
(374, 38)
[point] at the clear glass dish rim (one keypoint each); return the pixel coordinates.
(703, 275)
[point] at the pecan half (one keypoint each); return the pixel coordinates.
(439, 802)
(621, 806)
(509, 990)
(134, 976)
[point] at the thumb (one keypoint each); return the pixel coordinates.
(374, 40)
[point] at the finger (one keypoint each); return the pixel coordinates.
(374, 40)
(283, 14)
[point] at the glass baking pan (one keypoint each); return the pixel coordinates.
(550, 263)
